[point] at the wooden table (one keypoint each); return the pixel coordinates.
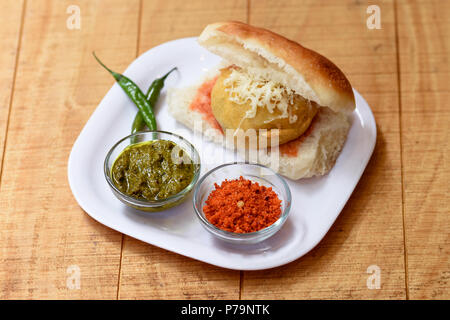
(397, 218)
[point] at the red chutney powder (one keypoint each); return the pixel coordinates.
(242, 206)
(202, 103)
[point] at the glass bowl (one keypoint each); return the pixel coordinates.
(148, 205)
(254, 172)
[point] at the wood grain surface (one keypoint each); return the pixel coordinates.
(11, 17)
(368, 231)
(397, 218)
(424, 51)
(43, 230)
(149, 272)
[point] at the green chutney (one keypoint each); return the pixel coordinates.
(152, 170)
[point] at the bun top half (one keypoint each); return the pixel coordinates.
(266, 54)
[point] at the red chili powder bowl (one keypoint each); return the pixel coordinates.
(242, 206)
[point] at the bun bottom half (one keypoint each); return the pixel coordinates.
(314, 154)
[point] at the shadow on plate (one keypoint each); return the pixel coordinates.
(277, 241)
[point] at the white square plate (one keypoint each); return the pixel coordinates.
(316, 204)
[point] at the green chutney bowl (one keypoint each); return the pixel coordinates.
(144, 136)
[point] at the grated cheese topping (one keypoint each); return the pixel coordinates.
(259, 92)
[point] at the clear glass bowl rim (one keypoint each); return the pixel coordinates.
(139, 202)
(235, 235)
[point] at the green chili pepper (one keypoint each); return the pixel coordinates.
(135, 94)
(138, 123)
(152, 96)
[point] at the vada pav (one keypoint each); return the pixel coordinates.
(275, 86)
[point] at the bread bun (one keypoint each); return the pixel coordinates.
(267, 54)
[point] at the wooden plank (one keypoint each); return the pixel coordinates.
(11, 17)
(424, 49)
(58, 85)
(369, 229)
(147, 271)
